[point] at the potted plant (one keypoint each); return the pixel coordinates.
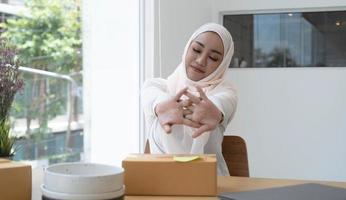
(10, 84)
(6, 141)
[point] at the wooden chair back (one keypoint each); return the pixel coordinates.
(147, 147)
(235, 153)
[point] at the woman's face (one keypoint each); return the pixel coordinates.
(203, 56)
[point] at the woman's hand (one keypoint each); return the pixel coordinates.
(172, 112)
(204, 112)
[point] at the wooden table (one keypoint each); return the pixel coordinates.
(225, 184)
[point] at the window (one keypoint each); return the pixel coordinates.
(307, 39)
(47, 116)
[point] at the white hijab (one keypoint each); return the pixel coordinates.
(178, 80)
(180, 140)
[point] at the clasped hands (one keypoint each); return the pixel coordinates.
(197, 112)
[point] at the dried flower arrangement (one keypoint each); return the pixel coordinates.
(10, 84)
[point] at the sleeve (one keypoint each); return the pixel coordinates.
(153, 92)
(226, 101)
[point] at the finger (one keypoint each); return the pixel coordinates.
(190, 123)
(167, 128)
(188, 117)
(192, 108)
(185, 103)
(200, 131)
(187, 112)
(179, 94)
(201, 93)
(193, 98)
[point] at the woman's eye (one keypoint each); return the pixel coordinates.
(196, 50)
(213, 59)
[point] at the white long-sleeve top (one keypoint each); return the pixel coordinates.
(155, 91)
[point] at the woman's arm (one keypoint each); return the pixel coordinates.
(153, 92)
(226, 101)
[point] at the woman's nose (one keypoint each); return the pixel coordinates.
(202, 60)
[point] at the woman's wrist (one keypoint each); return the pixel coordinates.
(160, 108)
(157, 110)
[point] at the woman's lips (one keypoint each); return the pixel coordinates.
(197, 69)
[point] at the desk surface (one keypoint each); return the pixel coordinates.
(225, 184)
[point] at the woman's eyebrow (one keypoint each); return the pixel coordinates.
(213, 50)
(200, 43)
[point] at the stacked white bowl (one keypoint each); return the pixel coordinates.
(83, 181)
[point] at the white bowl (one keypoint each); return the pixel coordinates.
(66, 196)
(83, 178)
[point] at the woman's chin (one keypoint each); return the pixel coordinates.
(194, 75)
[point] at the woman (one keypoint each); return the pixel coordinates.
(189, 112)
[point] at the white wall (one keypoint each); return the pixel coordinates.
(177, 21)
(111, 79)
(293, 119)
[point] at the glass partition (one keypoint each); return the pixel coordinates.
(297, 39)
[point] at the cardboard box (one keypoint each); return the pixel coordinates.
(15, 180)
(148, 174)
